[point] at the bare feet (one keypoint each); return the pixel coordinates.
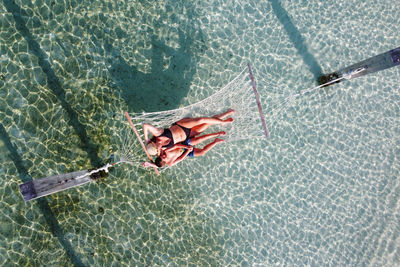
(228, 120)
(230, 111)
(217, 140)
(227, 113)
(221, 133)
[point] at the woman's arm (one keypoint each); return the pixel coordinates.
(149, 164)
(153, 130)
(177, 146)
(182, 157)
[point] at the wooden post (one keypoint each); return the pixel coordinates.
(49, 185)
(253, 83)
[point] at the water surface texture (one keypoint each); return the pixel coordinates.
(323, 190)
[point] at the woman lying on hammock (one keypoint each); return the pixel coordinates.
(181, 131)
(179, 152)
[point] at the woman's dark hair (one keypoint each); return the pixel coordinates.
(153, 139)
(159, 163)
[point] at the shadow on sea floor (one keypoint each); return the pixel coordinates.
(296, 38)
(43, 204)
(53, 81)
(54, 84)
(161, 88)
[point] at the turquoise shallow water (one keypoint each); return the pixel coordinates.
(323, 190)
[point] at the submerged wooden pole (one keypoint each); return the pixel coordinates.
(373, 64)
(52, 184)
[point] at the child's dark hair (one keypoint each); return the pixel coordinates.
(159, 163)
(153, 139)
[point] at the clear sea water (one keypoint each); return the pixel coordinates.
(323, 190)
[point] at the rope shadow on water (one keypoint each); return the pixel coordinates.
(296, 38)
(53, 82)
(44, 207)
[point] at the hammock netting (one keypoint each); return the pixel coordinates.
(237, 94)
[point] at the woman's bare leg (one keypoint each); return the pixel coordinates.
(198, 152)
(193, 122)
(197, 140)
(225, 114)
(202, 127)
(199, 125)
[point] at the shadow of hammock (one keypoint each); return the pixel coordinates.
(161, 88)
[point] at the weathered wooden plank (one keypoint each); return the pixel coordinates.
(56, 183)
(53, 184)
(373, 64)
